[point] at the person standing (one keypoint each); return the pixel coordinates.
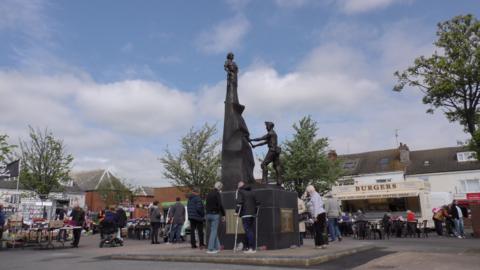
(2, 223)
(302, 209)
(438, 218)
(155, 219)
(122, 221)
(318, 212)
(215, 211)
(196, 216)
(60, 215)
(458, 213)
(247, 205)
(332, 208)
(177, 218)
(449, 224)
(78, 218)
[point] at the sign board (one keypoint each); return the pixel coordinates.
(473, 196)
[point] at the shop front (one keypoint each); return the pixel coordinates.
(377, 199)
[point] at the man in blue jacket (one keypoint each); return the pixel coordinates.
(2, 221)
(196, 216)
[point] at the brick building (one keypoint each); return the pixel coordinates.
(144, 196)
(102, 188)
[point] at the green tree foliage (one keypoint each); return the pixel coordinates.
(45, 164)
(6, 149)
(197, 163)
(115, 192)
(304, 159)
(450, 78)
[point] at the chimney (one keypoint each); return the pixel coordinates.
(404, 153)
(332, 155)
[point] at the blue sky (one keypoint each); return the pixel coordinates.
(121, 80)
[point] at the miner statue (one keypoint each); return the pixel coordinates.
(273, 154)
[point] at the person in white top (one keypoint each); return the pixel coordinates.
(315, 206)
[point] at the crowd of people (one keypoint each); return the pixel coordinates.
(323, 217)
(452, 216)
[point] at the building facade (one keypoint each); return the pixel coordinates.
(396, 180)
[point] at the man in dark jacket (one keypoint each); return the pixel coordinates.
(177, 218)
(215, 210)
(122, 221)
(458, 213)
(78, 218)
(247, 205)
(196, 216)
(155, 218)
(2, 221)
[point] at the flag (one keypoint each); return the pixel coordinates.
(11, 170)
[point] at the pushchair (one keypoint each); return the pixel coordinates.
(109, 232)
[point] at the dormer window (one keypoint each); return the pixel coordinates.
(466, 156)
(384, 163)
(350, 164)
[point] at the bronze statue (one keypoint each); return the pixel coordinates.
(232, 81)
(237, 157)
(273, 154)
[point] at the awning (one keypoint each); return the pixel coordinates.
(364, 196)
(168, 204)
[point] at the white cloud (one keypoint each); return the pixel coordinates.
(137, 107)
(125, 125)
(225, 36)
(292, 3)
(27, 17)
(347, 89)
(103, 125)
(237, 5)
(362, 6)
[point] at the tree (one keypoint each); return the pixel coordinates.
(450, 78)
(304, 159)
(6, 149)
(198, 162)
(45, 165)
(115, 192)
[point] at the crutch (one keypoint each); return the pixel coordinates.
(171, 225)
(256, 228)
(236, 230)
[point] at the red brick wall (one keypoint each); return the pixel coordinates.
(163, 194)
(93, 201)
(141, 200)
(169, 194)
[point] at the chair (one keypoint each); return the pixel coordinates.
(411, 228)
(374, 230)
(387, 229)
(362, 229)
(398, 228)
(424, 228)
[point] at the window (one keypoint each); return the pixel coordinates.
(466, 156)
(350, 164)
(384, 161)
(470, 185)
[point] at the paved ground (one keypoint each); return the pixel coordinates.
(432, 253)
